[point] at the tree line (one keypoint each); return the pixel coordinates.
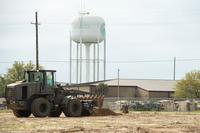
(188, 87)
(13, 74)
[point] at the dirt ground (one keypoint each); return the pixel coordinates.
(138, 122)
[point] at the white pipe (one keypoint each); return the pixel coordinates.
(98, 59)
(104, 75)
(70, 60)
(87, 50)
(81, 61)
(80, 48)
(77, 62)
(94, 61)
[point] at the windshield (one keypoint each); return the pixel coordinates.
(34, 76)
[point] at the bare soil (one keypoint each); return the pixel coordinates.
(103, 112)
(138, 122)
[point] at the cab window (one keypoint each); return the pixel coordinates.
(50, 79)
(26, 77)
(36, 77)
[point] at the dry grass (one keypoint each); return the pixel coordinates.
(138, 122)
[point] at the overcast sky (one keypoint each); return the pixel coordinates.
(136, 30)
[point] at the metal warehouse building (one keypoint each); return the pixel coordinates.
(138, 88)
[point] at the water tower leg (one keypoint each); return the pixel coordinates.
(80, 62)
(98, 60)
(94, 61)
(104, 59)
(77, 62)
(87, 52)
(70, 61)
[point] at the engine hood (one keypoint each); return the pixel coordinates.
(12, 85)
(20, 83)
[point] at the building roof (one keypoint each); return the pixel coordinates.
(146, 84)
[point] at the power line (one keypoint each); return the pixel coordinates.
(110, 24)
(109, 61)
(138, 61)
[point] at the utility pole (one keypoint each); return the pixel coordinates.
(174, 75)
(118, 70)
(36, 28)
(118, 96)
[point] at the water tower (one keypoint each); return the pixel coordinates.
(87, 31)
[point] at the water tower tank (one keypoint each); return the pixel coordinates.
(90, 28)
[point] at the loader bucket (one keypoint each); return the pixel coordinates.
(97, 99)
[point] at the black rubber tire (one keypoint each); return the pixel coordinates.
(40, 107)
(21, 113)
(65, 102)
(85, 113)
(65, 110)
(75, 108)
(55, 113)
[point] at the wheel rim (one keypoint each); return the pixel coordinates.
(43, 108)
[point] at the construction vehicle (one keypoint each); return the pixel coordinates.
(38, 94)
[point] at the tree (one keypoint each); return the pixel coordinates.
(15, 73)
(102, 89)
(189, 86)
(3, 83)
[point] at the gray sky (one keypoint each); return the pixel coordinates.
(137, 30)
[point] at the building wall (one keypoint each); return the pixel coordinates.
(93, 89)
(123, 92)
(141, 93)
(113, 91)
(128, 91)
(158, 94)
(82, 88)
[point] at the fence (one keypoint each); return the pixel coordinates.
(2, 103)
(152, 104)
(145, 104)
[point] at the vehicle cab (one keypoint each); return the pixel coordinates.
(46, 78)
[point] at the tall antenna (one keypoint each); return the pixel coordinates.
(82, 6)
(36, 29)
(174, 74)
